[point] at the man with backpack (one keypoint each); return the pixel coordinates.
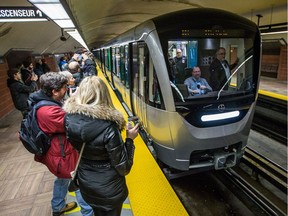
(61, 157)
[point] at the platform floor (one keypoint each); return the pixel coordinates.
(273, 87)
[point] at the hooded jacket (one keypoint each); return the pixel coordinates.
(20, 93)
(61, 157)
(106, 159)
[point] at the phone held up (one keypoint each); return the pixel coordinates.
(132, 121)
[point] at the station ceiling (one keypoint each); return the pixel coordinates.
(98, 21)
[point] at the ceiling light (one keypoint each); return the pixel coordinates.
(56, 12)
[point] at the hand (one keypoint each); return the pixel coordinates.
(34, 77)
(202, 87)
(73, 91)
(132, 133)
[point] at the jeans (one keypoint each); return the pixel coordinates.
(86, 210)
(59, 194)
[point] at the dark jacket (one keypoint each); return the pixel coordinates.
(61, 157)
(106, 158)
(89, 68)
(20, 93)
(26, 76)
(218, 75)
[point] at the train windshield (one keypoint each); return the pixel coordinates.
(201, 67)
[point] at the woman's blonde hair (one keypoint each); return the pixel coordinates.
(93, 91)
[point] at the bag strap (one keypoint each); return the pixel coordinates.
(80, 155)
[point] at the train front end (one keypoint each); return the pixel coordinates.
(209, 125)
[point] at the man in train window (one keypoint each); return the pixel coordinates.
(196, 84)
(220, 70)
(180, 65)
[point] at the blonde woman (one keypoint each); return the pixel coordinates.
(92, 119)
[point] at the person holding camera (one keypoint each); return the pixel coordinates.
(92, 119)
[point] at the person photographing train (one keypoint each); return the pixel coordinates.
(92, 119)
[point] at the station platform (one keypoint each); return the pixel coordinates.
(273, 88)
(26, 186)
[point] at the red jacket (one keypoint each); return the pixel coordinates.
(60, 160)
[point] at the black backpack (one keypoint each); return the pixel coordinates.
(32, 137)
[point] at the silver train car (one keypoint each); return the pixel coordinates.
(188, 132)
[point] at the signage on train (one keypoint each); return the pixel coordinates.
(21, 13)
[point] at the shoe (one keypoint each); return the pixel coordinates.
(68, 207)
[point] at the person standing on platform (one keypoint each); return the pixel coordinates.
(45, 67)
(106, 159)
(220, 70)
(86, 210)
(27, 72)
(19, 91)
(61, 158)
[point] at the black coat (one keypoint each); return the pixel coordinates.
(106, 159)
(217, 75)
(20, 93)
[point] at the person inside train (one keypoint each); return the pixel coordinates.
(196, 84)
(20, 91)
(220, 70)
(106, 159)
(180, 65)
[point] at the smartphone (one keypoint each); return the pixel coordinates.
(133, 120)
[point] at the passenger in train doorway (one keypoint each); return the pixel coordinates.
(180, 65)
(220, 70)
(61, 157)
(196, 84)
(106, 159)
(19, 91)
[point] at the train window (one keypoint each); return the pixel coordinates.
(126, 68)
(135, 70)
(155, 95)
(222, 65)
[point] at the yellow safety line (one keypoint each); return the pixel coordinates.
(274, 95)
(149, 191)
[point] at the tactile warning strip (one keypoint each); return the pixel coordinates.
(149, 191)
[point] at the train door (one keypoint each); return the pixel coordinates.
(103, 62)
(140, 63)
(125, 74)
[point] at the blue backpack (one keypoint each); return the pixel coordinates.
(31, 136)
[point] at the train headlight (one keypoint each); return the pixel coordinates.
(220, 116)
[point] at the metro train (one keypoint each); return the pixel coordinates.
(188, 132)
